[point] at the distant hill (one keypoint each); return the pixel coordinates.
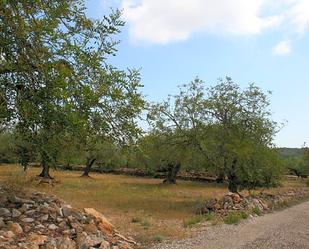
(290, 152)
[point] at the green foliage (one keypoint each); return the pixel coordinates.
(299, 165)
(56, 82)
(7, 147)
(290, 152)
(222, 129)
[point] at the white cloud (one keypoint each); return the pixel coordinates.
(299, 15)
(282, 48)
(164, 21)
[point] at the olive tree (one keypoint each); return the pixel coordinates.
(231, 128)
(55, 76)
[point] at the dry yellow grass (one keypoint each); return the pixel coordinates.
(140, 207)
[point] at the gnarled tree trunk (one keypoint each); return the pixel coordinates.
(232, 176)
(172, 170)
(45, 167)
(87, 169)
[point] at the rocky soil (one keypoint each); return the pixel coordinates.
(39, 221)
(287, 229)
(261, 203)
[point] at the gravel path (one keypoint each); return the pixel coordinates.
(287, 229)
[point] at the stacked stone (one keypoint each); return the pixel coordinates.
(36, 220)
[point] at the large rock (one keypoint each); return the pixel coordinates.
(103, 224)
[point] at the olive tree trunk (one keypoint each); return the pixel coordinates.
(87, 169)
(232, 177)
(172, 171)
(45, 167)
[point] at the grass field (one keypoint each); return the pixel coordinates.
(140, 207)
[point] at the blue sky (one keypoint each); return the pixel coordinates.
(260, 41)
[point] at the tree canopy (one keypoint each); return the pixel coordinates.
(56, 79)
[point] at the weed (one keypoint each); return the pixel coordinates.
(190, 222)
(257, 211)
(244, 215)
(157, 238)
(210, 216)
(136, 220)
(145, 224)
(233, 218)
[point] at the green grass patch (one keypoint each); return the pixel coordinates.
(157, 238)
(145, 224)
(234, 218)
(257, 211)
(192, 221)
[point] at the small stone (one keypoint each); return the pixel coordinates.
(44, 217)
(25, 207)
(15, 213)
(2, 224)
(40, 226)
(104, 245)
(65, 243)
(63, 225)
(51, 244)
(27, 246)
(4, 212)
(15, 228)
(30, 212)
(9, 234)
(37, 239)
(67, 211)
(103, 224)
(90, 228)
(52, 227)
(27, 220)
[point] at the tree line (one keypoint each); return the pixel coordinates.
(62, 102)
